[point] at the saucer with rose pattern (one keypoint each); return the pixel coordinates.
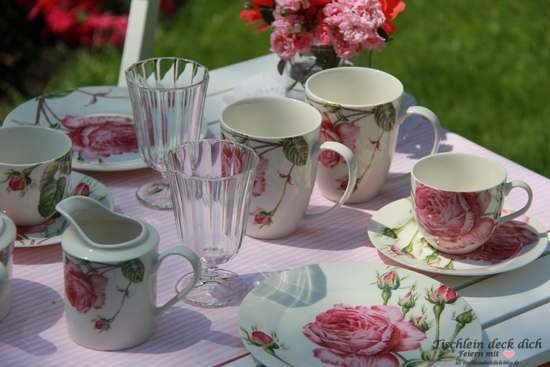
(394, 232)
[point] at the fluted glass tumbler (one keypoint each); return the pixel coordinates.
(211, 183)
(167, 96)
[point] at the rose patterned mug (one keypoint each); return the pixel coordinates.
(458, 199)
(361, 108)
(35, 169)
(7, 237)
(110, 268)
(285, 133)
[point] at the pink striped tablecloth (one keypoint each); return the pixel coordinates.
(34, 334)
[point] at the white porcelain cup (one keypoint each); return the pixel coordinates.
(7, 238)
(35, 170)
(458, 198)
(285, 133)
(361, 108)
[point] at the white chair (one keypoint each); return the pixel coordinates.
(140, 34)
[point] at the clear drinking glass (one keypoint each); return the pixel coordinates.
(167, 95)
(211, 182)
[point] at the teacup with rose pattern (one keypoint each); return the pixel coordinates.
(458, 200)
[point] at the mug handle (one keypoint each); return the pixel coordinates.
(4, 276)
(195, 262)
(348, 156)
(508, 186)
(430, 117)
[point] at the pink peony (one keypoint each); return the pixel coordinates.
(260, 182)
(456, 220)
(96, 137)
(289, 36)
(84, 290)
(362, 336)
(354, 26)
(292, 5)
(344, 132)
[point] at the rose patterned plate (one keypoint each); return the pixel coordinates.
(394, 232)
(49, 233)
(357, 314)
(98, 120)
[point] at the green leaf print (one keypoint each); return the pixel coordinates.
(385, 116)
(51, 193)
(64, 164)
(133, 270)
(296, 150)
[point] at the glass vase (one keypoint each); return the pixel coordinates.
(300, 67)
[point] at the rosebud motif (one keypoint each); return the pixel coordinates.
(465, 317)
(420, 322)
(262, 339)
(82, 189)
(389, 280)
(262, 218)
(407, 301)
(442, 295)
(102, 324)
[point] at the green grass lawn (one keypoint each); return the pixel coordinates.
(482, 66)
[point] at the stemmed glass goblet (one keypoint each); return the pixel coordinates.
(211, 182)
(167, 96)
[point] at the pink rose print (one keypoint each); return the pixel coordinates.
(343, 132)
(260, 182)
(262, 218)
(82, 189)
(443, 294)
(232, 160)
(84, 290)
(505, 243)
(362, 336)
(102, 324)
(17, 183)
(261, 338)
(96, 137)
(458, 220)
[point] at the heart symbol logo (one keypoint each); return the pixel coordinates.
(509, 353)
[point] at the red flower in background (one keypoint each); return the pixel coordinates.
(391, 9)
(258, 11)
(86, 22)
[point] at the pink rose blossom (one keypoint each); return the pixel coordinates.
(456, 220)
(96, 137)
(84, 290)
(362, 336)
(344, 132)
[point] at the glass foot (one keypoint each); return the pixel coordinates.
(155, 195)
(218, 288)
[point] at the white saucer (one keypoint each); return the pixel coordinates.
(394, 232)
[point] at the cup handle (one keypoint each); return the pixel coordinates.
(430, 117)
(195, 262)
(507, 188)
(348, 156)
(4, 276)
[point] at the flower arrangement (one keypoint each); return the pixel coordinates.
(90, 23)
(332, 30)
(312, 35)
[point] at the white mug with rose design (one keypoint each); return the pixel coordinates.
(285, 133)
(458, 199)
(35, 169)
(7, 238)
(361, 108)
(110, 267)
